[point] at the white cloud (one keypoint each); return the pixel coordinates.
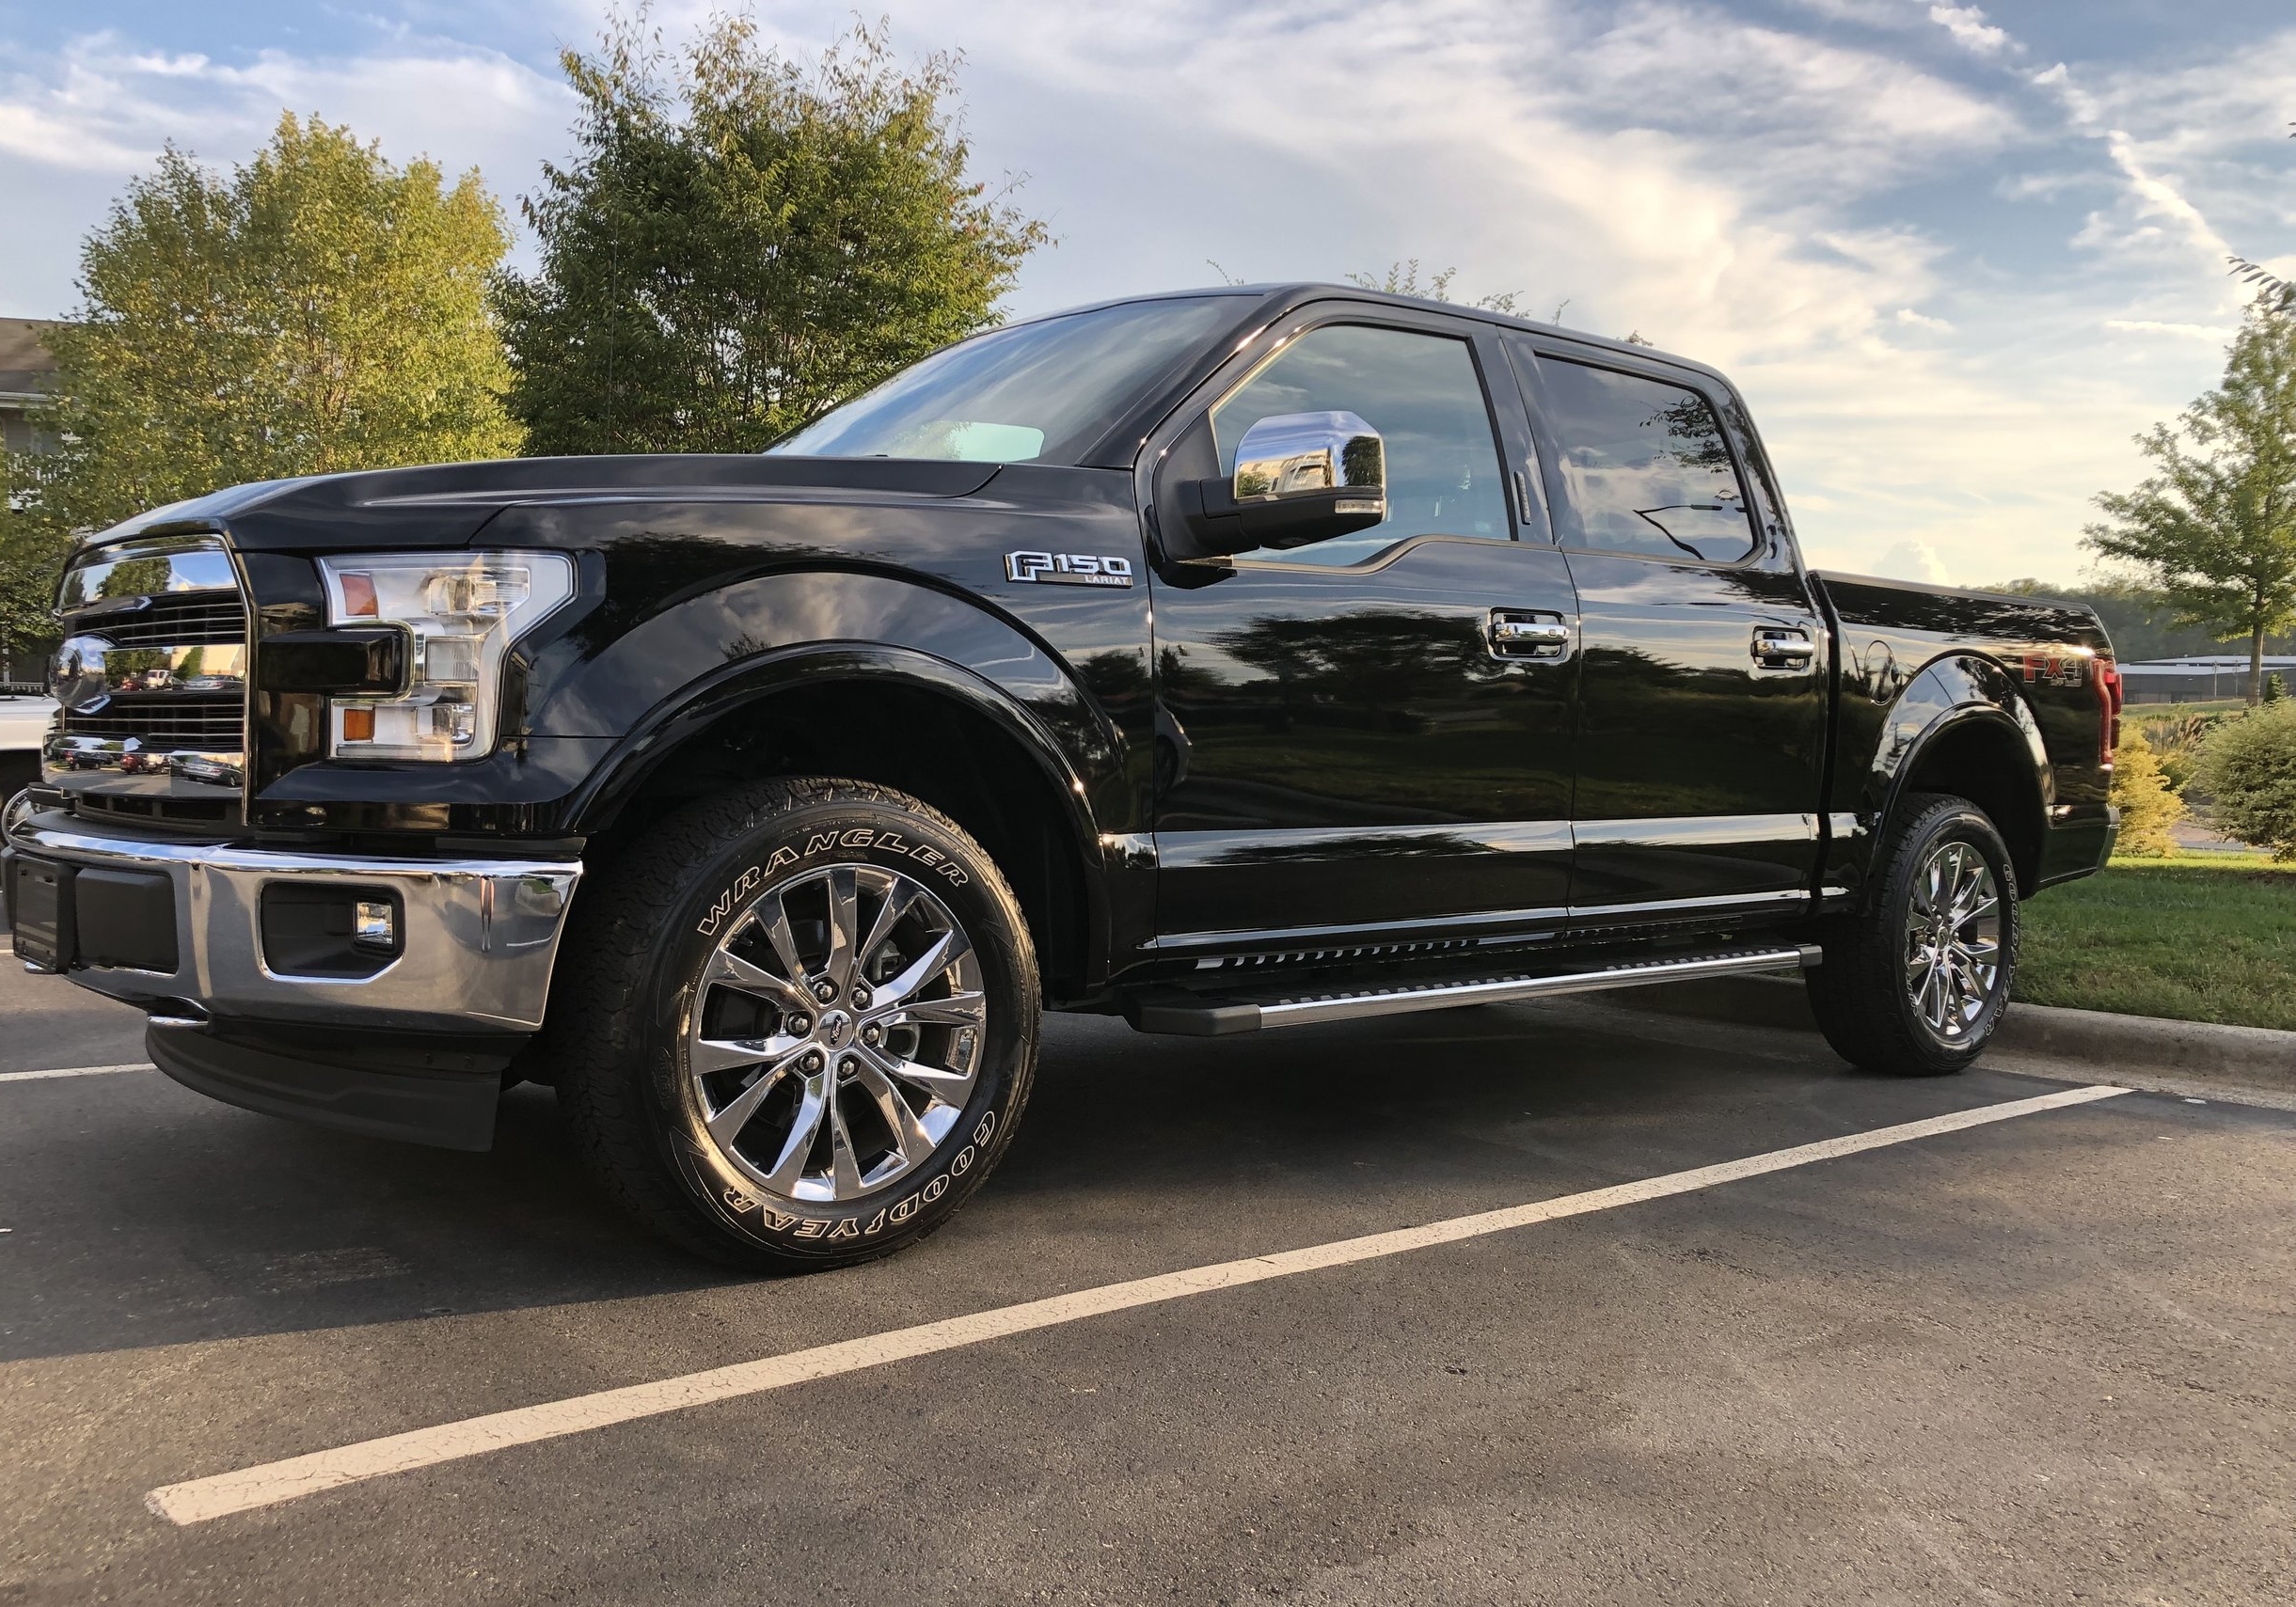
(1970, 29)
(1912, 561)
(2216, 335)
(1728, 186)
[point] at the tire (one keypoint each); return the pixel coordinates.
(673, 1008)
(1914, 983)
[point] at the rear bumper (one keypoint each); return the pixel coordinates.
(2077, 843)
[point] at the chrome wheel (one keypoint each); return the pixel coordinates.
(1953, 940)
(837, 1033)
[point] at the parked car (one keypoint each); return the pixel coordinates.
(1230, 660)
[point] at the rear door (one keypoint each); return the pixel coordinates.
(1356, 740)
(1701, 705)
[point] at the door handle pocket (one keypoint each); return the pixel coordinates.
(1528, 633)
(1782, 647)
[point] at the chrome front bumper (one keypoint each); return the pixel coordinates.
(478, 941)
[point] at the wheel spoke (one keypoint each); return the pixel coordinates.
(731, 970)
(724, 1054)
(955, 1010)
(899, 897)
(944, 951)
(725, 1127)
(942, 1084)
(908, 1136)
(784, 942)
(789, 1166)
(844, 916)
(845, 1172)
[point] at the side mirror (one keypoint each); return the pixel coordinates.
(1301, 477)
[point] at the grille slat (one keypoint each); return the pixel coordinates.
(210, 723)
(187, 621)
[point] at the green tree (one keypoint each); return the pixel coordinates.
(317, 309)
(2247, 769)
(2273, 291)
(2149, 807)
(1403, 279)
(742, 242)
(2214, 527)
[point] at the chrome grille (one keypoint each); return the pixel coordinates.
(196, 620)
(208, 723)
(161, 624)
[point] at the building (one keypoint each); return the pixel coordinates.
(2199, 680)
(27, 372)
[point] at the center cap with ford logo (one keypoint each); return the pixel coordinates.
(75, 675)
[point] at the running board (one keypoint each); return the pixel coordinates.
(1174, 1010)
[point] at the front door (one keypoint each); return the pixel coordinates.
(1701, 706)
(1369, 738)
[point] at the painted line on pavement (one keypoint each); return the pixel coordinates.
(196, 1501)
(75, 1071)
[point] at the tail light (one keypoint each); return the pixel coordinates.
(2108, 681)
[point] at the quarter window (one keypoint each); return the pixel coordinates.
(1645, 465)
(1421, 393)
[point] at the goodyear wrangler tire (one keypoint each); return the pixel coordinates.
(796, 1025)
(1914, 983)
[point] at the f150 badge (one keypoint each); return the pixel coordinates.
(1068, 569)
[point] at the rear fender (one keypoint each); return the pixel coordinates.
(1958, 716)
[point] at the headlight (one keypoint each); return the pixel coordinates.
(462, 611)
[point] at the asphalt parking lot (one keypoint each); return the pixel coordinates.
(2047, 1357)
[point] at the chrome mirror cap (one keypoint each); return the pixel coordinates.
(1311, 454)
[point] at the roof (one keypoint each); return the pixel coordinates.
(26, 365)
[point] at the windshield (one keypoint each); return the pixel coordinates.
(1040, 392)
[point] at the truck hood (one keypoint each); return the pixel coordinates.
(445, 505)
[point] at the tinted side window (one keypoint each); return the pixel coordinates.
(1421, 393)
(1645, 465)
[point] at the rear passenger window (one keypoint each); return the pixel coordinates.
(1644, 466)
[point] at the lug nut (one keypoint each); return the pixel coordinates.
(825, 991)
(799, 1025)
(847, 1067)
(872, 1036)
(813, 1061)
(861, 999)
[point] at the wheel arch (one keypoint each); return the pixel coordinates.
(903, 717)
(1959, 726)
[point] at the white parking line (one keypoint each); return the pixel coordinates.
(75, 1071)
(196, 1501)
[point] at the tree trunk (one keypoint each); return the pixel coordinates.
(2255, 664)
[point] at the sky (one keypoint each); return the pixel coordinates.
(1955, 256)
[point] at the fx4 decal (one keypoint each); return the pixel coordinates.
(1068, 569)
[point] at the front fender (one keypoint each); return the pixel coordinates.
(690, 665)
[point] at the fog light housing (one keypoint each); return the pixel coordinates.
(374, 924)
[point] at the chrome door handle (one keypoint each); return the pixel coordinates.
(1527, 633)
(1779, 648)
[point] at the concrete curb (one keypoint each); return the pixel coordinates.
(2254, 1056)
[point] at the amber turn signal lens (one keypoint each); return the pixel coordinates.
(359, 725)
(359, 597)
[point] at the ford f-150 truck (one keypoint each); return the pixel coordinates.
(1232, 660)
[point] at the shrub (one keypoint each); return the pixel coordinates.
(2248, 768)
(2275, 687)
(2147, 807)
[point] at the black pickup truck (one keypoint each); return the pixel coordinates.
(1233, 660)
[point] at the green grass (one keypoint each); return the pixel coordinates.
(2194, 937)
